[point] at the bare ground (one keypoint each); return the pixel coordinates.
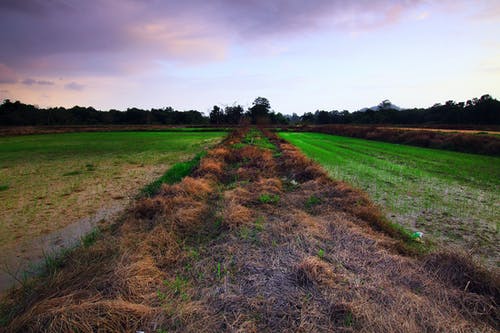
(257, 240)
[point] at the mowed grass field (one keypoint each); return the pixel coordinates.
(48, 181)
(454, 197)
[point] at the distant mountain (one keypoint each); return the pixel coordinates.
(384, 105)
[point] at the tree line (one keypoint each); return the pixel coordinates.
(19, 114)
(484, 110)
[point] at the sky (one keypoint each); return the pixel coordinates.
(302, 55)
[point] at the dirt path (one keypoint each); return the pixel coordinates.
(257, 240)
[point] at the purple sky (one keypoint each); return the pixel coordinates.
(302, 55)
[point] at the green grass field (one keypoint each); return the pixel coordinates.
(48, 181)
(454, 197)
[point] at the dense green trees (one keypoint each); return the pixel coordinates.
(259, 113)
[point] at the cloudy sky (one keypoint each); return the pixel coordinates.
(302, 55)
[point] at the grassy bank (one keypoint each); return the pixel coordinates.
(452, 196)
(50, 180)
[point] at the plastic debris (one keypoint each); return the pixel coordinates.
(417, 235)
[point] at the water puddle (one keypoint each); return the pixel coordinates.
(22, 260)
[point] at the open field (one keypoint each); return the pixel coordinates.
(257, 239)
(455, 197)
(475, 143)
(30, 130)
(49, 181)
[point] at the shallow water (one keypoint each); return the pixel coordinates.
(22, 260)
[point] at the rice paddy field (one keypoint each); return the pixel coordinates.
(257, 238)
(452, 197)
(48, 181)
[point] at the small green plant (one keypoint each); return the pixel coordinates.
(161, 296)
(173, 175)
(218, 222)
(321, 253)
(244, 233)
(91, 237)
(219, 271)
(178, 287)
(193, 254)
(312, 201)
(259, 224)
(52, 262)
(348, 321)
(4, 187)
(90, 167)
(72, 173)
(238, 145)
(269, 198)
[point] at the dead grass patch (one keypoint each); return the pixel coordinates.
(312, 270)
(69, 314)
(235, 215)
(195, 187)
(239, 195)
(188, 218)
(462, 271)
(163, 247)
(210, 166)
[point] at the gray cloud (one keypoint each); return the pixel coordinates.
(30, 82)
(74, 86)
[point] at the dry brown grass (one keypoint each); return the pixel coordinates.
(219, 153)
(189, 186)
(210, 166)
(313, 270)
(266, 185)
(69, 314)
(163, 247)
(239, 195)
(235, 215)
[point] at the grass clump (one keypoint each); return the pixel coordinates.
(254, 137)
(267, 198)
(172, 176)
(178, 287)
(91, 237)
(4, 187)
(90, 167)
(312, 201)
(72, 173)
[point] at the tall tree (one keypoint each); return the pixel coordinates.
(216, 115)
(259, 112)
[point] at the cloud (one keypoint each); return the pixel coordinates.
(104, 35)
(30, 82)
(74, 86)
(112, 37)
